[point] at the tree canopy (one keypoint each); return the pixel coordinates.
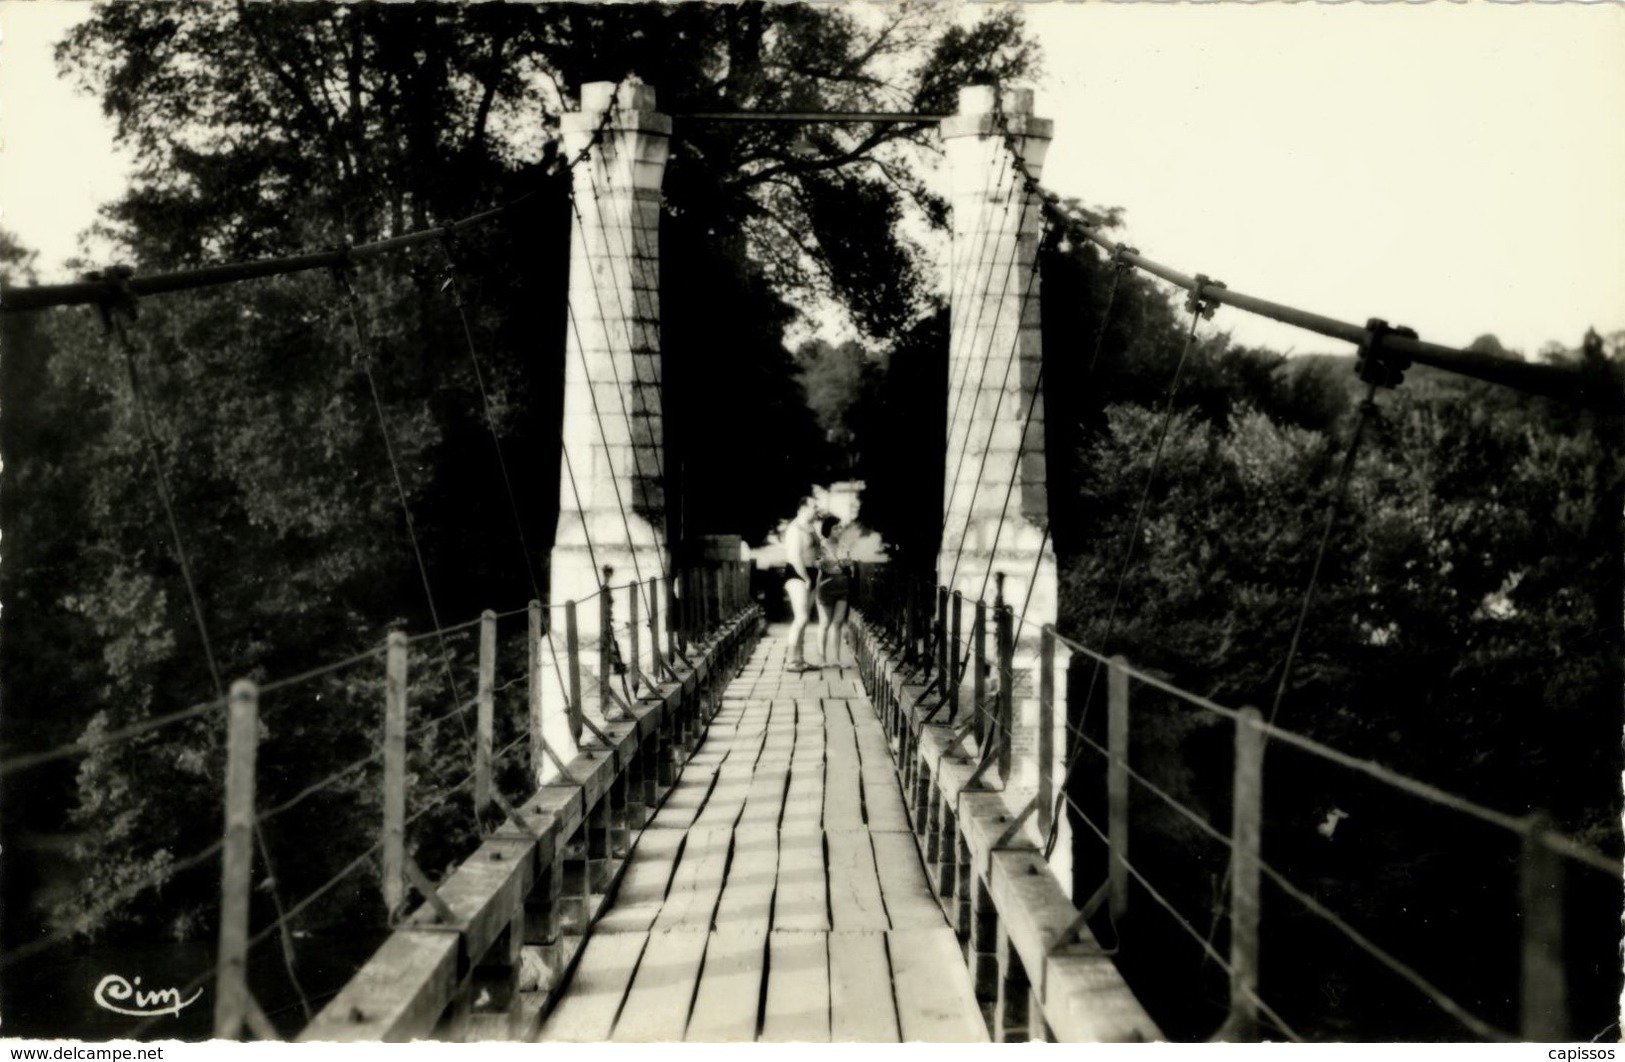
(266, 130)
(1465, 627)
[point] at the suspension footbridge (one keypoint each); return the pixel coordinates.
(702, 845)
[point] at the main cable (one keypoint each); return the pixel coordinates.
(1198, 309)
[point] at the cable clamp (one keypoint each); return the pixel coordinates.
(121, 300)
(342, 270)
(1120, 257)
(449, 246)
(1196, 303)
(1377, 365)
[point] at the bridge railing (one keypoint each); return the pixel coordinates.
(988, 859)
(563, 836)
(480, 958)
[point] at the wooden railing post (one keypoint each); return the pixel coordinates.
(485, 710)
(1117, 787)
(1004, 623)
(572, 653)
(656, 662)
(1046, 730)
(1543, 995)
(676, 617)
(543, 922)
(394, 854)
(533, 647)
(637, 807)
(956, 640)
(606, 638)
(923, 803)
(597, 831)
(948, 858)
(1246, 838)
(909, 632)
(619, 799)
(1015, 992)
(232, 1002)
(978, 681)
(932, 834)
(693, 608)
(635, 675)
(685, 608)
(982, 950)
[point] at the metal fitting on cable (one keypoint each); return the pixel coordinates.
(1199, 305)
(121, 299)
(1376, 365)
(1120, 257)
(449, 246)
(341, 270)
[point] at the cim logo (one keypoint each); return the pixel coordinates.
(120, 996)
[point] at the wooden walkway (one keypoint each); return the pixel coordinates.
(777, 894)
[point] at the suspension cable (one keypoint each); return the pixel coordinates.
(993, 422)
(603, 438)
(1554, 381)
(620, 395)
(454, 286)
(364, 357)
(1199, 309)
(1021, 444)
(627, 230)
(981, 378)
(959, 307)
(116, 317)
(1339, 492)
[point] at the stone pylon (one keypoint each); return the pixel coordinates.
(612, 505)
(996, 507)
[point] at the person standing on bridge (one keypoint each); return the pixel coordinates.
(832, 592)
(801, 568)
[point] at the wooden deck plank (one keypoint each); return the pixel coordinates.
(730, 986)
(804, 798)
(843, 793)
(643, 885)
(873, 747)
(586, 1012)
(727, 798)
(797, 988)
(764, 803)
(801, 900)
(697, 884)
(910, 903)
(793, 767)
(657, 1006)
(883, 805)
(747, 894)
(855, 901)
(860, 994)
(935, 1001)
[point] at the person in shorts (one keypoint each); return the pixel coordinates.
(801, 573)
(832, 593)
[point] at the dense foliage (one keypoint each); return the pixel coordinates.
(265, 130)
(1466, 624)
(1464, 631)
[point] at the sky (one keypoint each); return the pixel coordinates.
(1455, 167)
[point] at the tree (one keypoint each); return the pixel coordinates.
(264, 131)
(1455, 635)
